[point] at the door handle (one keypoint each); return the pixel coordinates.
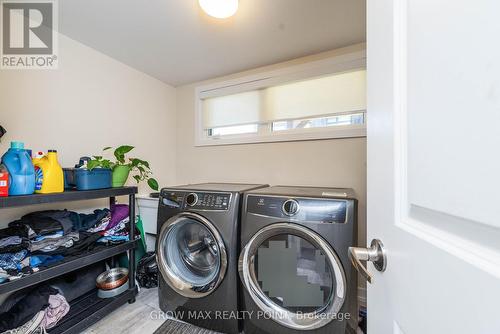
(376, 254)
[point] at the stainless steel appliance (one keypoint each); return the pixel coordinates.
(197, 253)
(294, 267)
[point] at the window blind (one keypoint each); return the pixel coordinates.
(327, 95)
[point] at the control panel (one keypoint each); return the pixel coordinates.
(304, 209)
(208, 201)
(197, 200)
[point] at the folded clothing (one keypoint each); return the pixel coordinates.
(13, 244)
(8, 241)
(117, 234)
(54, 235)
(120, 229)
(44, 260)
(23, 231)
(86, 242)
(10, 275)
(82, 221)
(46, 222)
(13, 260)
(53, 243)
(16, 265)
(101, 226)
(113, 239)
(118, 213)
(26, 308)
(58, 232)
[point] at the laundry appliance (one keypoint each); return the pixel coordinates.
(197, 253)
(294, 267)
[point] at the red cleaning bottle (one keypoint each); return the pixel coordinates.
(4, 181)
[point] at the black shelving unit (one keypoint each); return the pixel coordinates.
(87, 309)
(71, 195)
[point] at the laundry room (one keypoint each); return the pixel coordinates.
(233, 166)
(206, 111)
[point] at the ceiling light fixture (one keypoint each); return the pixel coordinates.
(220, 9)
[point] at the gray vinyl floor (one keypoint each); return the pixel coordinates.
(137, 318)
(142, 317)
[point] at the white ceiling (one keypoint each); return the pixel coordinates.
(174, 41)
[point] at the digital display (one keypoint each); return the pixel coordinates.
(212, 201)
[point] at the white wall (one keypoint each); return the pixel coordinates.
(90, 102)
(93, 101)
(329, 163)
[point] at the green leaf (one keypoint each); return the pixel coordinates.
(107, 148)
(137, 178)
(153, 184)
(124, 149)
(92, 164)
(134, 162)
(106, 164)
(97, 157)
(145, 163)
(121, 151)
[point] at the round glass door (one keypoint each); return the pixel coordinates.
(191, 255)
(294, 275)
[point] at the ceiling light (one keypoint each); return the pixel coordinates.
(220, 9)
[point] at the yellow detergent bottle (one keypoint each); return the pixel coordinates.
(48, 173)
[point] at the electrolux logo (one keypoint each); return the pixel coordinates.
(29, 34)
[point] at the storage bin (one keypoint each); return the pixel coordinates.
(84, 179)
(147, 207)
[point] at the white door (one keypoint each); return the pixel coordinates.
(434, 165)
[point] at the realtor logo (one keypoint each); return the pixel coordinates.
(29, 34)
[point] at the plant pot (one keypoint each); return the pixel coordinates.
(120, 176)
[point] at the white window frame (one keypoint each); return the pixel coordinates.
(342, 62)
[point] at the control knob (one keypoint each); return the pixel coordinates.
(290, 207)
(192, 199)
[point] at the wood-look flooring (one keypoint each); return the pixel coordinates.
(136, 318)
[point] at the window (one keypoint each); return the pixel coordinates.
(320, 122)
(232, 130)
(296, 105)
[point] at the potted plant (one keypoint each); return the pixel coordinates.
(123, 166)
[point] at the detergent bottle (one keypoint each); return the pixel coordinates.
(49, 173)
(38, 171)
(4, 181)
(20, 169)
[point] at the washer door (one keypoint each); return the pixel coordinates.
(191, 255)
(293, 275)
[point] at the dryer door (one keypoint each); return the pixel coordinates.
(294, 276)
(191, 255)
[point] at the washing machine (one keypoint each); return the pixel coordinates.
(197, 253)
(295, 273)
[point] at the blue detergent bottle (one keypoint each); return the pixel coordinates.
(21, 170)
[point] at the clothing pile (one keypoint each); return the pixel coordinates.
(42, 238)
(35, 312)
(114, 229)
